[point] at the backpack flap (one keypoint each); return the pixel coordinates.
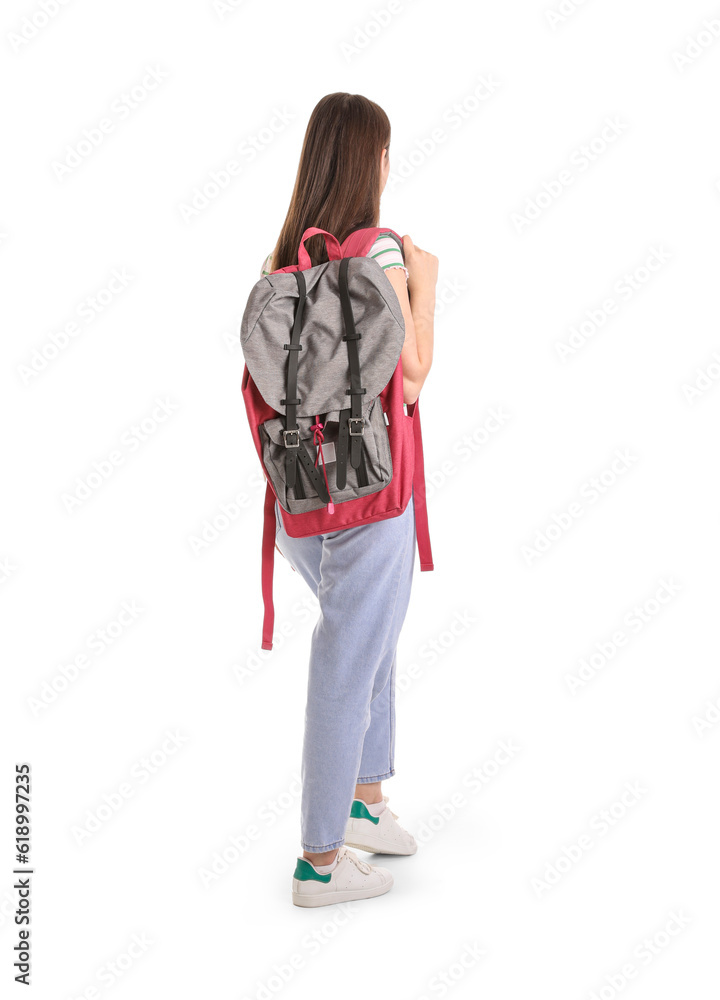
(322, 375)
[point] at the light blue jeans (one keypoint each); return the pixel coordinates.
(362, 578)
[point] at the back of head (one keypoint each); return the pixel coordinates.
(337, 187)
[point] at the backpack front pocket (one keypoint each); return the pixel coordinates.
(317, 482)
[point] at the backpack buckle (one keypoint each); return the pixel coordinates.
(356, 420)
(295, 443)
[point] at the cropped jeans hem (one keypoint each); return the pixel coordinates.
(378, 777)
(321, 850)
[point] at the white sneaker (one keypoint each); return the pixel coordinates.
(378, 834)
(350, 879)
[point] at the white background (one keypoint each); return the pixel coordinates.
(494, 636)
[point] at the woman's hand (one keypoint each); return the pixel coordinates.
(422, 270)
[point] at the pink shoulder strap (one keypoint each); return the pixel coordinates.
(422, 531)
(268, 565)
(358, 243)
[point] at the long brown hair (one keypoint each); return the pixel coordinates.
(338, 180)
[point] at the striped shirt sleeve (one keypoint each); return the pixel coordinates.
(267, 266)
(387, 253)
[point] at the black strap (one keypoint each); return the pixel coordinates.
(299, 489)
(356, 392)
(362, 469)
(341, 455)
(341, 450)
(316, 477)
(291, 401)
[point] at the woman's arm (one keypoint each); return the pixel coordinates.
(417, 301)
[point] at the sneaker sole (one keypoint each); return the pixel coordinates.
(378, 846)
(344, 896)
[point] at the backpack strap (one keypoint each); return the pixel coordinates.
(358, 243)
(355, 421)
(294, 447)
(268, 565)
(291, 433)
(422, 531)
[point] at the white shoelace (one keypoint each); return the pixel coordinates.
(352, 856)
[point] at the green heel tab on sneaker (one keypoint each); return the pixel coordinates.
(359, 810)
(304, 872)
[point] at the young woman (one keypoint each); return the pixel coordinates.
(361, 576)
